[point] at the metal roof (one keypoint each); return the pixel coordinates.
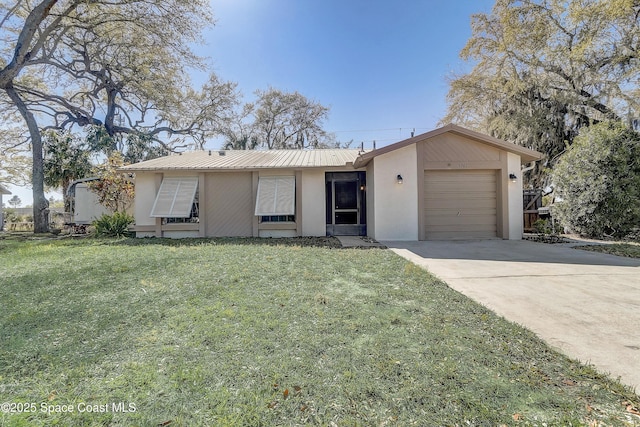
(248, 159)
(273, 159)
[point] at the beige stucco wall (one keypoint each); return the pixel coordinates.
(396, 205)
(371, 200)
(515, 198)
(145, 195)
(228, 207)
(313, 203)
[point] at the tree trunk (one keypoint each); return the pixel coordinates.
(40, 202)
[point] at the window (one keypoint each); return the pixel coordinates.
(278, 218)
(276, 198)
(176, 199)
(194, 215)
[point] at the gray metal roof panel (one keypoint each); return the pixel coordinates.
(249, 159)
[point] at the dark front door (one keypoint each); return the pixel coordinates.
(346, 209)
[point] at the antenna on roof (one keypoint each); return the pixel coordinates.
(374, 144)
(413, 132)
(362, 146)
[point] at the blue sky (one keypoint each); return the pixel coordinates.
(376, 64)
(381, 66)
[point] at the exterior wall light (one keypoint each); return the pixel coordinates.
(399, 179)
(513, 177)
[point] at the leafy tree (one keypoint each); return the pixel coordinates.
(66, 159)
(598, 181)
(134, 147)
(544, 69)
(115, 189)
(14, 201)
(90, 62)
(280, 120)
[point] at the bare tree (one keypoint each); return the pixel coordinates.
(287, 120)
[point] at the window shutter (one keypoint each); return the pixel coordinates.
(175, 198)
(276, 195)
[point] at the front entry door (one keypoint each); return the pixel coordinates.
(346, 210)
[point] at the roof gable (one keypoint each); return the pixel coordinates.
(3, 190)
(525, 154)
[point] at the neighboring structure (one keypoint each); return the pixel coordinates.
(450, 183)
(3, 191)
(85, 207)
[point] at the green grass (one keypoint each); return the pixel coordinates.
(267, 332)
(621, 249)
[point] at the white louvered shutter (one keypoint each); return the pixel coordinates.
(276, 195)
(175, 197)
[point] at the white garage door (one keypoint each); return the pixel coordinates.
(460, 204)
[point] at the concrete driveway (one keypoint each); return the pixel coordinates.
(585, 304)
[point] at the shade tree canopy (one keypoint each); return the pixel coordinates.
(121, 65)
(544, 69)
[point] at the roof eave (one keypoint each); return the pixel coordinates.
(231, 169)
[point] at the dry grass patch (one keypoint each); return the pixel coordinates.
(629, 250)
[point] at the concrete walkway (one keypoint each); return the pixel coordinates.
(585, 304)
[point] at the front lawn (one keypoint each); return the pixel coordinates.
(243, 333)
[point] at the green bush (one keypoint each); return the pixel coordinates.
(598, 182)
(116, 225)
(545, 226)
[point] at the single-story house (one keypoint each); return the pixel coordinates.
(3, 190)
(450, 183)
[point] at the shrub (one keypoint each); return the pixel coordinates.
(116, 225)
(10, 215)
(545, 226)
(598, 182)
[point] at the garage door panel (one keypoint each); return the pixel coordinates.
(461, 187)
(460, 199)
(466, 227)
(460, 204)
(461, 176)
(461, 235)
(463, 220)
(479, 203)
